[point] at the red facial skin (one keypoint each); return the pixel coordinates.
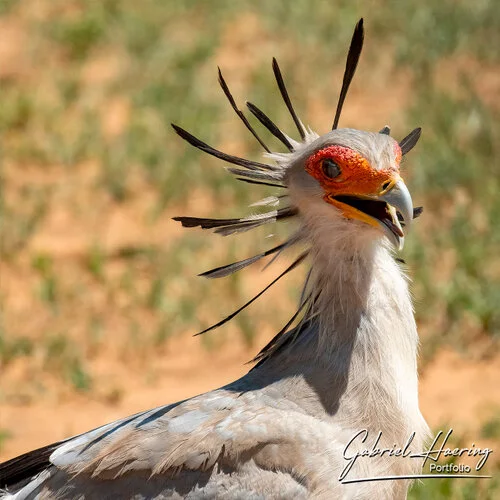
(357, 177)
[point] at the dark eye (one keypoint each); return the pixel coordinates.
(330, 168)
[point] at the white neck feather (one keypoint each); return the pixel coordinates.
(365, 333)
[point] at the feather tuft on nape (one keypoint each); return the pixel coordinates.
(409, 142)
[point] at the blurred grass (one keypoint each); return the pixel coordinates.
(456, 173)
(4, 435)
(157, 61)
(458, 489)
(90, 92)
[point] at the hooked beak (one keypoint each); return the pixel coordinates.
(390, 210)
(398, 199)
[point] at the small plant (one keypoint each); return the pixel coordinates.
(62, 357)
(96, 261)
(4, 436)
(48, 287)
(491, 428)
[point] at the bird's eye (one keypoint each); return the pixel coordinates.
(330, 168)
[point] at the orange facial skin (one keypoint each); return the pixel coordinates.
(357, 178)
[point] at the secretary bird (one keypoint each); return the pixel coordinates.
(339, 378)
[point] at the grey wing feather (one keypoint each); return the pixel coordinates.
(184, 450)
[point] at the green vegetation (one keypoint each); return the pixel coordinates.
(4, 435)
(158, 60)
(63, 356)
(461, 489)
(11, 348)
(455, 174)
(491, 428)
(85, 113)
(457, 489)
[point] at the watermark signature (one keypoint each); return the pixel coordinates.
(433, 454)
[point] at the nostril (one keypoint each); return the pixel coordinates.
(385, 185)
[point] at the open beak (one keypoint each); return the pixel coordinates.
(400, 206)
(390, 210)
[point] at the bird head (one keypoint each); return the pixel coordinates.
(357, 174)
(346, 182)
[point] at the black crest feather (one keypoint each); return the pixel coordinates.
(222, 271)
(408, 143)
(291, 267)
(269, 124)
(279, 338)
(417, 212)
(235, 160)
(229, 226)
(238, 111)
(254, 174)
(286, 98)
(253, 181)
(350, 67)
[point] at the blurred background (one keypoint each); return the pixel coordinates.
(98, 289)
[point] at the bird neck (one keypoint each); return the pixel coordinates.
(358, 355)
(363, 312)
